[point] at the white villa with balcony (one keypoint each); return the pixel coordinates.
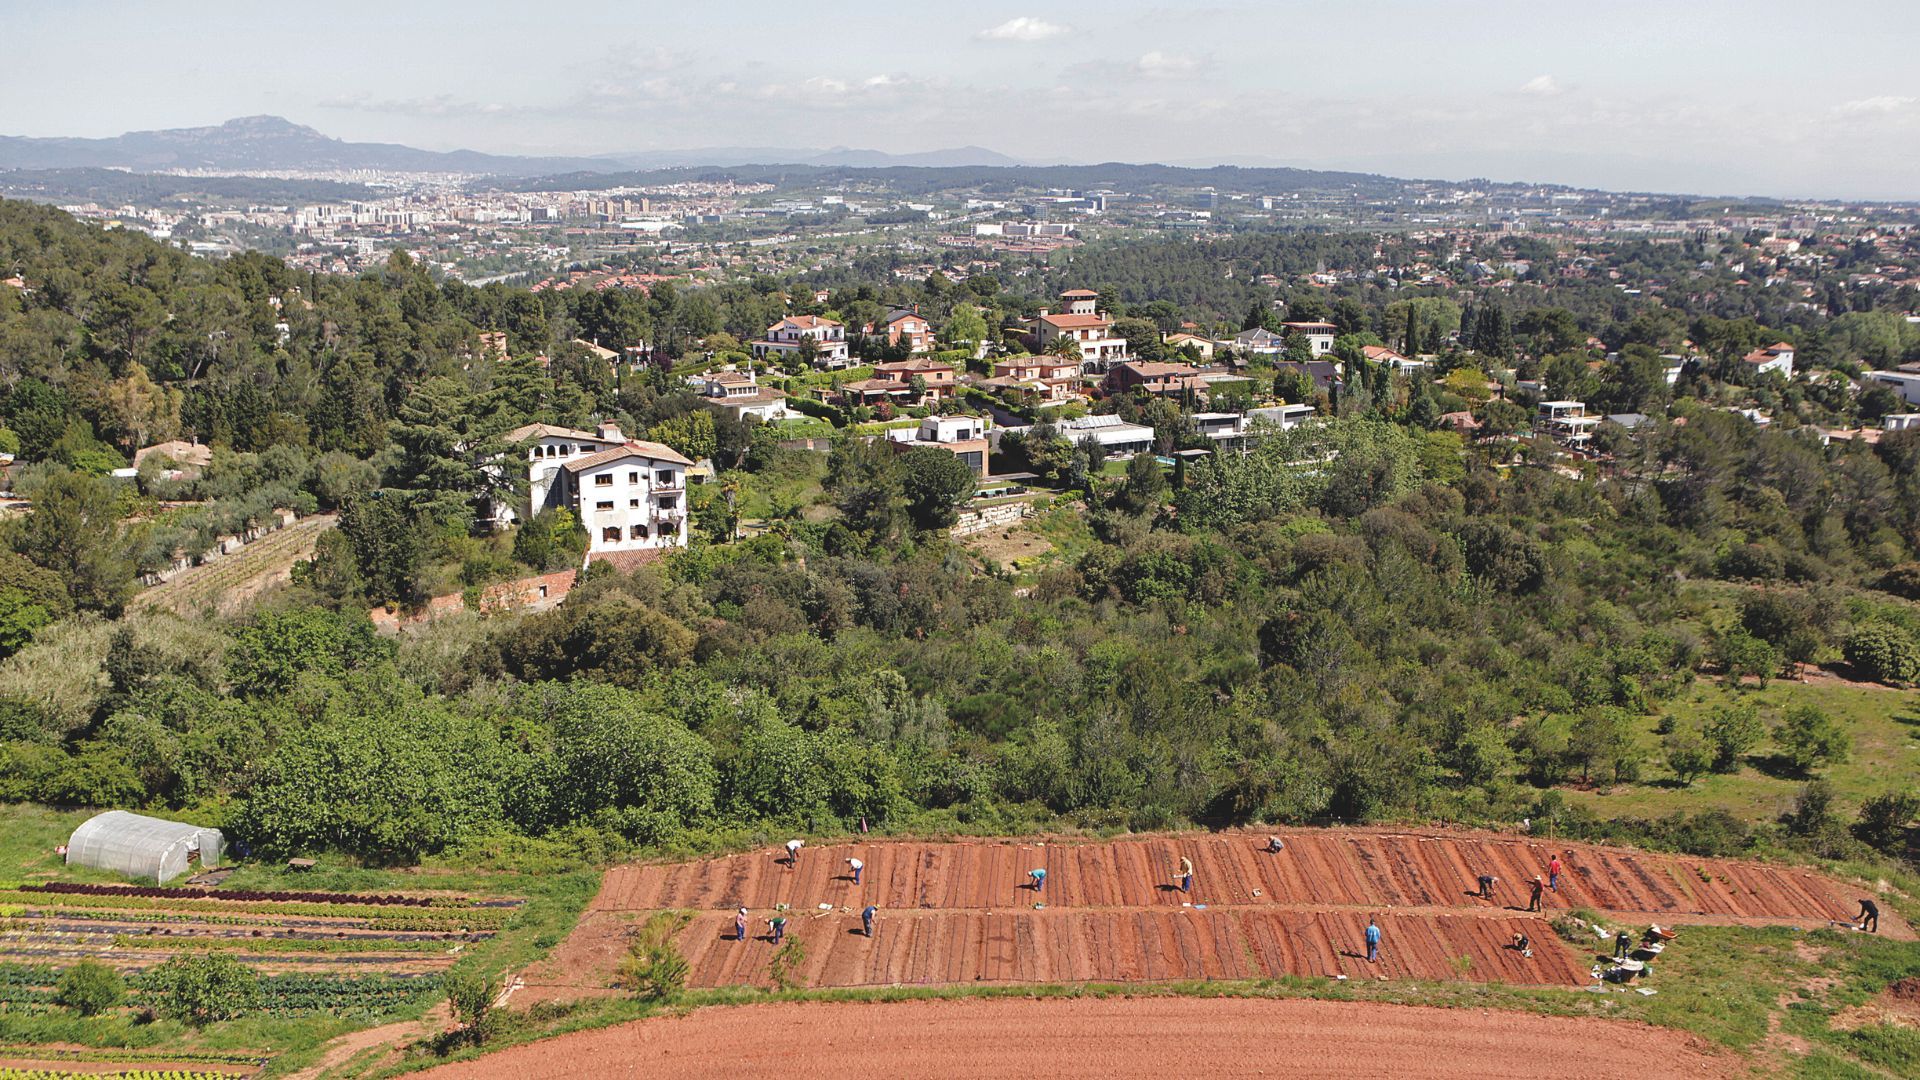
(788, 337)
(548, 448)
(631, 497)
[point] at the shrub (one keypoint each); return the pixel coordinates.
(199, 988)
(89, 987)
(470, 998)
(1688, 755)
(1732, 732)
(1884, 817)
(1810, 738)
(1883, 652)
(654, 968)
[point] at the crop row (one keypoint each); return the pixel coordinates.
(110, 1054)
(396, 918)
(116, 1075)
(289, 994)
(281, 945)
(121, 1074)
(77, 888)
(302, 994)
(403, 920)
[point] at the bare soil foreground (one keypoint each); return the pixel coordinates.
(1113, 1039)
(961, 912)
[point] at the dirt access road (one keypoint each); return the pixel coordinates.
(955, 913)
(1112, 1039)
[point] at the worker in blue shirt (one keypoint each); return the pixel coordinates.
(1373, 942)
(866, 919)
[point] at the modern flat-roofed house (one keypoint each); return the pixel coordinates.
(965, 437)
(740, 394)
(1284, 417)
(548, 448)
(1320, 335)
(904, 325)
(786, 337)
(629, 497)
(1905, 383)
(1567, 422)
(1082, 324)
(1777, 357)
(1114, 436)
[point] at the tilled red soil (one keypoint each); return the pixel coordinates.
(960, 912)
(1117, 1038)
(1127, 946)
(1339, 868)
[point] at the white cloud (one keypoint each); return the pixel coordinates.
(1542, 86)
(1163, 63)
(1885, 103)
(1023, 29)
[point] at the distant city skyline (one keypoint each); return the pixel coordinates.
(1711, 97)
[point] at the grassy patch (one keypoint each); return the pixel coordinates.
(1884, 724)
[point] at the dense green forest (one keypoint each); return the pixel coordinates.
(1368, 619)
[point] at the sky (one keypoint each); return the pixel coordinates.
(1754, 97)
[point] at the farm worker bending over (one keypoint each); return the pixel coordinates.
(1486, 886)
(793, 852)
(866, 919)
(1533, 899)
(1869, 919)
(857, 866)
(740, 925)
(778, 924)
(1038, 879)
(1622, 945)
(1186, 874)
(1373, 942)
(1274, 846)
(1553, 874)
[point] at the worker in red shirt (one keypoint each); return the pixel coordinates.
(1553, 873)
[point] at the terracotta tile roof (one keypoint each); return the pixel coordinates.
(806, 322)
(1076, 322)
(1080, 294)
(549, 431)
(628, 561)
(634, 448)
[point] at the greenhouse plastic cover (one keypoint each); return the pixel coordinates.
(142, 847)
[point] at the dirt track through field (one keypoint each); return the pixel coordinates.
(1117, 1038)
(961, 913)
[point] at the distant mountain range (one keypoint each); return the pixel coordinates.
(273, 144)
(262, 144)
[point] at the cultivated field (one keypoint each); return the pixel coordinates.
(1118, 1038)
(956, 913)
(317, 953)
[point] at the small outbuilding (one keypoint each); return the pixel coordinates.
(143, 847)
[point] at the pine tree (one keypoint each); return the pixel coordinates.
(1467, 326)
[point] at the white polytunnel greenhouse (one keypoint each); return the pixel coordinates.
(143, 847)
